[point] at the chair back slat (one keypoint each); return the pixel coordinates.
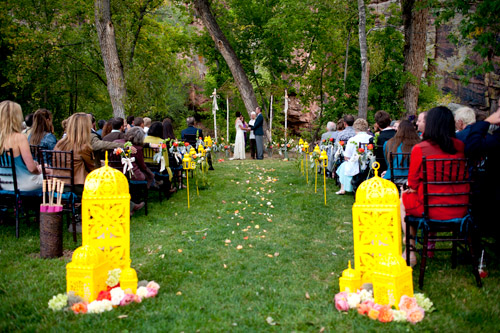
(61, 166)
(447, 183)
(8, 168)
(149, 152)
(399, 162)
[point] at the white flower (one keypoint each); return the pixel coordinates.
(365, 295)
(100, 306)
(353, 299)
(399, 315)
(424, 302)
(58, 302)
(142, 292)
(117, 295)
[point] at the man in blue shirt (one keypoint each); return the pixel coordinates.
(258, 131)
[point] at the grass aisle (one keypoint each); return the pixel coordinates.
(259, 244)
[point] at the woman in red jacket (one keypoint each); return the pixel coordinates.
(438, 142)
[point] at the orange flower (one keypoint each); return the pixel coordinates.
(373, 314)
(79, 308)
(385, 315)
(363, 309)
(416, 315)
(407, 304)
(341, 143)
(361, 150)
(175, 144)
(370, 147)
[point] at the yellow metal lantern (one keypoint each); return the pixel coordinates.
(306, 147)
(105, 232)
(186, 165)
(186, 162)
(192, 152)
(324, 159)
(87, 272)
(301, 142)
(350, 280)
(317, 152)
(392, 278)
(201, 151)
(128, 280)
(376, 224)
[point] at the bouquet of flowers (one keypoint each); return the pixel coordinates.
(127, 160)
(106, 300)
(366, 157)
(411, 309)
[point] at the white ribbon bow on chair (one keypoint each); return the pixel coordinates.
(127, 164)
(159, 158)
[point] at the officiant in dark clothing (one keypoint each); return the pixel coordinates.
(258, 131)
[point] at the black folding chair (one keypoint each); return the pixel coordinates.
(149, 153)
(446, 186)
(138, 188)
(14, 198)
(35, 151)
(399, 165)
(62, 166)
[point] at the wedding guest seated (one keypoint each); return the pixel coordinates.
(348, 131)
(107, 128)
(403, 142)
(330, 132)
(484, 147)
(28, 172)
(101, 124)
(116, 132)
(147, 124)
(77, 139)
(383, 122)
(155, 136)
(191, 130)
(28, 121)
(42, 134)
(438, 142)
(140, 171)
(351, 165)
(464, 118)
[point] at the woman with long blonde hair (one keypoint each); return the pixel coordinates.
(77, 139)
(28, 172)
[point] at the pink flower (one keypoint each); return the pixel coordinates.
(407, 304)
(152, 292)
(127, 299)
(341, 301)
(137, 299)
(416, 315)
(153, 285)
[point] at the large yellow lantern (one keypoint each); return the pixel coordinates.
(105, 233)
(376, 224)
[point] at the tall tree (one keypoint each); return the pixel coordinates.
(365, 64)
(112, 64)
(245, 88)
(415, 14)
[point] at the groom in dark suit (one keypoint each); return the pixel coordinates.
(259, 133)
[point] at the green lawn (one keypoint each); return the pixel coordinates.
(295, 246)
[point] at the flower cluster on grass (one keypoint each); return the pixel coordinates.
(106, 300)
(411, 309)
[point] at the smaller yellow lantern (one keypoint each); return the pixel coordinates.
(128, 279)
(392, 278)
(350, 280)
(301, 142)
(316, 150)
(306, 147)
(186, 162)
(192, 152)
(324, 158)
(201, 151)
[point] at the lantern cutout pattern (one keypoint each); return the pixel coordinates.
(350, 280)
(392, 278)
(376, 224)
(105, 226)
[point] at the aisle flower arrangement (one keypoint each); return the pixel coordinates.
(106, 300)
(411, 309)
(125, 154)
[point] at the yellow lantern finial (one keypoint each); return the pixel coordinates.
(375, 167)
(106, 159)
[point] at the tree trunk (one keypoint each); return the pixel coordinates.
(203, 10)
(415, 31)
(346, 57)
(112, 64)
(365, 65)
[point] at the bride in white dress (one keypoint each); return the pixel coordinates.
(239, 143)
